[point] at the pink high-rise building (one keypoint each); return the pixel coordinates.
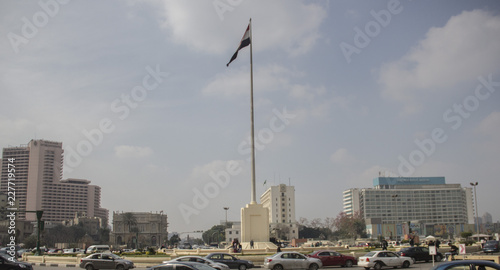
(39, 184)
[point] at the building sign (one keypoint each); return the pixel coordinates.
(409, 181)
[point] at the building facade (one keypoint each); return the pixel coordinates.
(39, 184)
(280, 200)
(422, 204)
(139, 229)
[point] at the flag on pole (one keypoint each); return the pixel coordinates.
(245, 41)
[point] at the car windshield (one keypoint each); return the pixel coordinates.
(114, 256)
(370, 254)
(202, 267)
(8, 257)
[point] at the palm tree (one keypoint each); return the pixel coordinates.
(130, 220)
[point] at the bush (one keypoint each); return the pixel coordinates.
(151, 251)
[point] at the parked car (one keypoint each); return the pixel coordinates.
(216, 265)
(230, 260)
(491, 246)
(383, 258)
(98, 248)
(174, 265)
(467, 264)
(105, 261)
(332, 258)
(9, 262)
(291, 260)
(420, 254)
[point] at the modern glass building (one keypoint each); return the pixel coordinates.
(422, 200)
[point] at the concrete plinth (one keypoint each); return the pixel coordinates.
(254, 223)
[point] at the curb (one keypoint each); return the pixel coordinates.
(54, 264)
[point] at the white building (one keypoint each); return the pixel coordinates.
(427, 203)
(280, 200)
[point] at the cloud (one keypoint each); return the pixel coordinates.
(460, 51)
(237, 82)
(490, 126)
(128, 151)
(203, 27)
(342, 156)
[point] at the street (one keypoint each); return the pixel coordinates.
(419, 266)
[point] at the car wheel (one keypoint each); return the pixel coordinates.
(377, 266)
(437, 258)
(120, 267)
(348, 263)
(278, 267)
(313, 266)
(89, 267)
(242, 267)
(367, 268)
(406, 264)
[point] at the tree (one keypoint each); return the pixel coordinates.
(350, 226)
(466, 234)
(216, 233)
(129, 219)
(30, 242)
(174, 240)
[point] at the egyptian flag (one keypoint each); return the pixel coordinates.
(245, 41)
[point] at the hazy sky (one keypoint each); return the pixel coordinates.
(140, 95)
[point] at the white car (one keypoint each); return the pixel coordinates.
(379, 259)
(216, 265)
(291, 260)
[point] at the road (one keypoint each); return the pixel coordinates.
(417, 266)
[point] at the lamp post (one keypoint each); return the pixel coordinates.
(475, 206)
(226, 208)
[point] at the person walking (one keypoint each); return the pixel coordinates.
(384, 244)
(251, 243)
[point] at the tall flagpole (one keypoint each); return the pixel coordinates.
(253, 198)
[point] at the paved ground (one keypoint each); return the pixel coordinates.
(417, 266)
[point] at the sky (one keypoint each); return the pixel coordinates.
(140, 96)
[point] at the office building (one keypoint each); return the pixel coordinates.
(427, 204)
(280, 200)
(39, 184)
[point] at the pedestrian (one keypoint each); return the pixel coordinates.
(251, 243)
(279, 248)
(384, 244)
(453, 251)
(412, 241)
(437, 244)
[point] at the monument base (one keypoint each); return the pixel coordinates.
(254, 223)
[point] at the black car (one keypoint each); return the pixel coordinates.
(491, 246)
(174, 265)
(230, 260)
(420, 254)
(8, 262)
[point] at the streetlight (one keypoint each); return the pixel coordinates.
(226, 208)
(475, 206)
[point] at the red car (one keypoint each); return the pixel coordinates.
(332, 258)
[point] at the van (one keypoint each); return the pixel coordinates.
(98, 249)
